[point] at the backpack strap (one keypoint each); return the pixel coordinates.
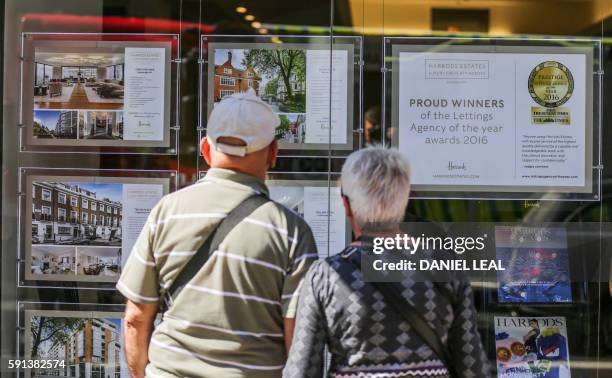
(211, 244)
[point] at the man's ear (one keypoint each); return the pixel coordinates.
(205, 149)
(272, 153)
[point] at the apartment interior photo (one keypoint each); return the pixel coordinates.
(78, 80)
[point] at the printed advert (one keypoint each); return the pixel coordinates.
(304, 86)
(83, 229)
(108, 94)
(75, 344)
(496, 121)
(531, 347)
(324, 214)
(537, 264)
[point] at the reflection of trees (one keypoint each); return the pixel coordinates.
(56, 331)
(277, 62)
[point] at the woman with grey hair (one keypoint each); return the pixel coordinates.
(364, 327)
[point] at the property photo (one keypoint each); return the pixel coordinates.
(292, 129)
(53, 260)
(76, 213)
(98, 261)
(100, 125)
(56, 124)
(78, 80)
(89, 347)
(290, 196)
(278, 76)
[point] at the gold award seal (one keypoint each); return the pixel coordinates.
(551, 85)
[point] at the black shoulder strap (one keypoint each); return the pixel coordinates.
(211, 244)
(396, 300)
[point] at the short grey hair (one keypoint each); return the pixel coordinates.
(376, 181)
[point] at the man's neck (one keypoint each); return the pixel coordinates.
(250, 172)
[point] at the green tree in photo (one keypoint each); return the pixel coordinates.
(283, 127)
(283, 64)
(56, 331)
(272, 88)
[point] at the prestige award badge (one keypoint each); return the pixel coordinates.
(551, 85)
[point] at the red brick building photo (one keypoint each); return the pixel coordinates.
(230, 80)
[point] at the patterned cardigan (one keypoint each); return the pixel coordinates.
(368, 338)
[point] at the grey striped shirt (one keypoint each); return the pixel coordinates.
(228, 321)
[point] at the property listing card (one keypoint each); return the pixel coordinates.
(144, 93)
(321, 212)
(321, 100)
(80, 93)
(139, 200)
(494, 119)
(324, 213)
(305, 84)
(83, 229)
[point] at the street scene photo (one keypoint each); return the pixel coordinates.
(84, 347)
(277, 76)
(73, 124)
(76, 230)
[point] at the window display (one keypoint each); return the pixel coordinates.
(537, 265)
(75, 344)
(318, 204)
(94, 91)
(105, 103)
(530, 106)
(82, 228)
(303, 81)
(531, 347)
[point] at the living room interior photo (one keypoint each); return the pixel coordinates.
(78, 80)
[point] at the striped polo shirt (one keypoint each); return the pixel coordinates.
(228, 321)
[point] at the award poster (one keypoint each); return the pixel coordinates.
(531, 347)
(518, 119)
(304, 84)
(83, 229)
(86, 93)
(321, 212)
(537, 265)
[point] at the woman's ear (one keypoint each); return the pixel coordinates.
(205, 149)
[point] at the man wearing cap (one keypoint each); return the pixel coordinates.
(234, 315)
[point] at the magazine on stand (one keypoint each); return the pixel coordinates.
(537, 265)
(531, 347)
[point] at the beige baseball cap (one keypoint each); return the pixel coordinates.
(246, 117)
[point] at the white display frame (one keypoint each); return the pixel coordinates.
(306, 179)
(26, 309)
(168, 179)
(353, 44)
(167, 146)
(593, 171)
